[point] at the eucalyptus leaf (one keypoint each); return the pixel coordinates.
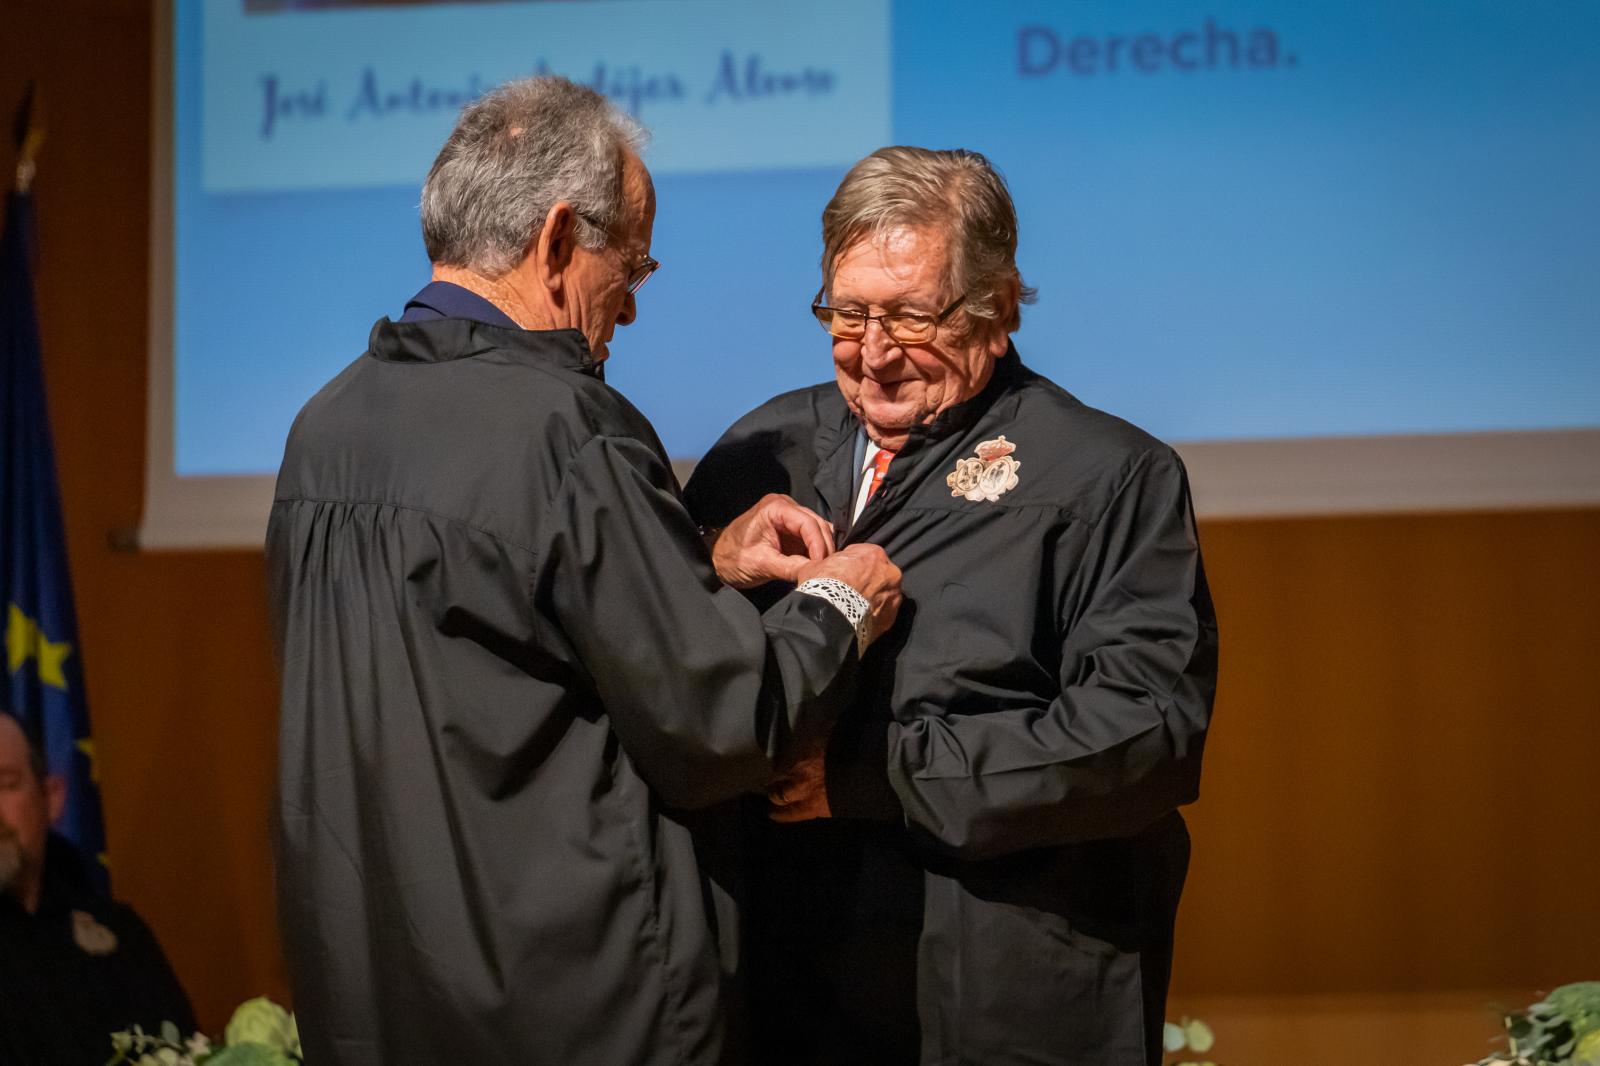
(1173, 1038)
(1579, 1004)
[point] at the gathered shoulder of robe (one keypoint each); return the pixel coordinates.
(507, 667)
(999, 881)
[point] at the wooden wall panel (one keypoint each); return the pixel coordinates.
(181, 684)
(1400, 781)
(1400, 790)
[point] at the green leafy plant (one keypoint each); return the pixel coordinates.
(1563, 1029)
(260, 1033)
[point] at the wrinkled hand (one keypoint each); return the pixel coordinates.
(802, 794)
(865, 568)
(773, 541)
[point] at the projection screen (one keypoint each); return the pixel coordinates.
(1342, 256)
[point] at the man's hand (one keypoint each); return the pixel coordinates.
(801, 794)
(865, 568)
(773, 541)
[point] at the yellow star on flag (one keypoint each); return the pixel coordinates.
(86, 745)
(25, 640)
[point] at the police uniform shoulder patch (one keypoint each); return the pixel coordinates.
(92, 937)
(988, 475)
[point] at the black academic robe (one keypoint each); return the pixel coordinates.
(1000, 879)
(506, 659)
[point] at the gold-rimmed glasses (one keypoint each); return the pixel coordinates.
(903, 327)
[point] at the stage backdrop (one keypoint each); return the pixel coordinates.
(1399, 797)
(1357, 238)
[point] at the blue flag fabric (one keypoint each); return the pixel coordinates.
(44, 670)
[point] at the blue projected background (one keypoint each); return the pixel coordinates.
(1245, 219)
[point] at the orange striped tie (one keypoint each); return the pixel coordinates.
(880, 467)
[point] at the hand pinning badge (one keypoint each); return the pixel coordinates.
(988, 476)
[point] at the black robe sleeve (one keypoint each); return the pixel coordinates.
(703, 693)
(1121, 744)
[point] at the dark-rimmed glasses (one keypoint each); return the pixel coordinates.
(903, 327)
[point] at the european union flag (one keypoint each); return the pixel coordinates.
(44, 670)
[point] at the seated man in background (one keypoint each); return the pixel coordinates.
(985, 865)
(74, 965)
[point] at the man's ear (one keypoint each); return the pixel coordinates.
(1006, 302)
(55, 797)
(553, 248)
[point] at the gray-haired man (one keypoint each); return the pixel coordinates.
(507, 654)
(983, 863)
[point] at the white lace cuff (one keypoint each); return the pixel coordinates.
(850, 603)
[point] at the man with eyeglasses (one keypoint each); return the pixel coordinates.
(510, 662)
(982, 862)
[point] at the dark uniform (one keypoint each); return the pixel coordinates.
(78, 969)
(505, 656)
(1005, 858)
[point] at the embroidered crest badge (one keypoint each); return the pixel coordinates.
(989, 475)
(91, 936)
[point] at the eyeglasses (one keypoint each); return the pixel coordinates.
(638, 274)
(903, 327)
(641, 273)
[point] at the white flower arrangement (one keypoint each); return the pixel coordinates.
(1563, 1029)
(260, 1033)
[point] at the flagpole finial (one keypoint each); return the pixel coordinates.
(29, 135)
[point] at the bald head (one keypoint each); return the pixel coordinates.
(29, 801)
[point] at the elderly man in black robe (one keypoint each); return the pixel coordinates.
(509, 657)
(982, 863)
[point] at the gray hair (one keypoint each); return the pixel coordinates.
(956, 191)
(514, 154)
